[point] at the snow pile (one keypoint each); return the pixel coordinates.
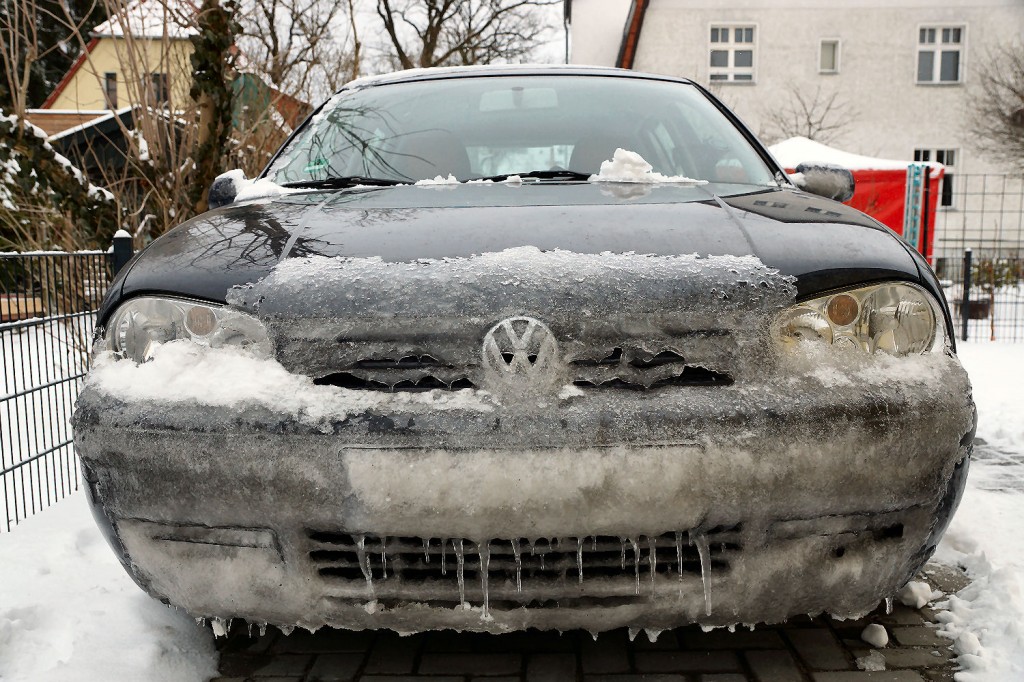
(917, 594)
(875, 635)
(985, 620)
(796, 150)
(438, 180)
(185, 372)
(627, 166)
(69, 612)
(260, 189)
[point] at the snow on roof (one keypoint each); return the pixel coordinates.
(797, 150)
(152, 19)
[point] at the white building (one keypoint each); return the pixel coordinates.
(900, 71)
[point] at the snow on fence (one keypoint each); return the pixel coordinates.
(47, 306)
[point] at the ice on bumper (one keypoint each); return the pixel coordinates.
(524, 439)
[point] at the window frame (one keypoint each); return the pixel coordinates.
(948, 186)
(838, 56)
(110, 93)
(730, 70)
(936, 49)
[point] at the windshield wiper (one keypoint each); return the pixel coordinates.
(342, 182)
(559, 174)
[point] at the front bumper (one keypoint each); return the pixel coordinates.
(757, 502)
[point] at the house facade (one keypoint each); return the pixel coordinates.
(885, 78)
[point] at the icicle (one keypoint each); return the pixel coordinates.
(679, 553)
(364, 562)
(444, 553)
(426, 550)
(201, 622)
(652, 635)
(542, 555)
(384, 556)
(636, 564)
(705, 569)
(220, 628)
(652, 558)
(286, 629)
(263, 629)
(519, 565)
(249, 628)
(594, 635)
(622, 546)
(461, 571)
(593, 543)
(579, 559)
(888, 605)
(485, 566)
(633, 632)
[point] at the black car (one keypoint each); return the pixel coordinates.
(515, 347)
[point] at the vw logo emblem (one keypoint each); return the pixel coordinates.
(521, 347)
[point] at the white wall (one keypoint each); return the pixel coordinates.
(596, 30)
(877, 71)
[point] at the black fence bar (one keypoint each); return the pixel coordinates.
(48, 302)
(985, 216)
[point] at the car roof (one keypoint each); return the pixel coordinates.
(498, 70)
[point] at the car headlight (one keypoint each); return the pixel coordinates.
(897, 318)
(141, 324)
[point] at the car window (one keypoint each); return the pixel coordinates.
(473, 127)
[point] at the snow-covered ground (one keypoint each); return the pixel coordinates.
(68, 611)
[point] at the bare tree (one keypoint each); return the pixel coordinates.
(295, 46)
(422, 33)
(819, 114)
(998, 111)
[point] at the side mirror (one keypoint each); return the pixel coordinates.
(831, 182)
(225, 188)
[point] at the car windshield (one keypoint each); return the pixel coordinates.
(556, 126)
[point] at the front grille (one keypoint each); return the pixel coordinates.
(520, 571)
(630, 369)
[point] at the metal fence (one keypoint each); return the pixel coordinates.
(979, 255)
(47, 306)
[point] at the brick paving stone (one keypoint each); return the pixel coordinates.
(773, 666)
(324, 640)
(551, 668)
(913, 658)
(407, 678)
(335, 667)
(469, 664)
(284, 665)
(634, 678)
(741, 639)
(901, 615)
(686, 661)
(819, 649)
(606, 655)
(920, 636)
(392, 655)
(862, 676)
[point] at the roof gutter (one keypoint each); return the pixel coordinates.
(631, 34)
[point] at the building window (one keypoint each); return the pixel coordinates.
(732, 54)
(157, 89)
(948, 158)
(110, 89)
(828, 57)
(938, 54)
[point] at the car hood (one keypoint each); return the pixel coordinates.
(825, 245)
